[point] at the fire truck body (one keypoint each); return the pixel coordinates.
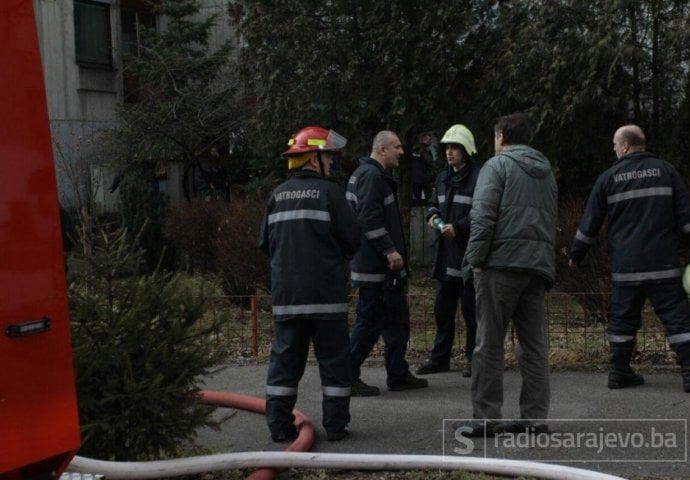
(39, 430)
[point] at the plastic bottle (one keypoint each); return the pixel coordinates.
(439, 223)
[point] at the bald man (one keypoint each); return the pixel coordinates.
(647, 205)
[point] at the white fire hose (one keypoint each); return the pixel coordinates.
(343, 461)
(269, 463)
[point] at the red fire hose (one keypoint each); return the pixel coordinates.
(305, 428)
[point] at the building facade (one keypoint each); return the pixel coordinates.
(82, 48)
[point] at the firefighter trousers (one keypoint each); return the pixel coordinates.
(445, 307)
(670, 304)
(289, 353)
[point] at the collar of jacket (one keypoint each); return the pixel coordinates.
(371, 161)
(386, 175)
(306, 174)
(455, 177)
(634, 156)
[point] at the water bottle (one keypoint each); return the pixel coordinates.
(439, 223)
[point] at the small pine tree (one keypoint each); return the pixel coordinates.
(140, 347)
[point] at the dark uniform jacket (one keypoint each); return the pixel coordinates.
(647, 204)
(372, 193)
(308, 231)
(451, 200)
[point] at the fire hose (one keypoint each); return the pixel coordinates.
(269, 464)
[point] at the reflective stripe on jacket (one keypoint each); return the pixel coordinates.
(372, 194)
(451, 200)
(647, 204)
(308, 231)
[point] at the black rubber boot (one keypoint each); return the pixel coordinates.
(621, 374)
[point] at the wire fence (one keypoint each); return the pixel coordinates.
(575, 322)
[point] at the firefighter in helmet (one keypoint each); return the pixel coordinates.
(450, 202)
(308, 232)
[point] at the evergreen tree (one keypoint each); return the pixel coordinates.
(183, 109)
(140, 347)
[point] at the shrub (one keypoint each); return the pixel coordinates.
(222, 237)
(592, 275)
(139, 350)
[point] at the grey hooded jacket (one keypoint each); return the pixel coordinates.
(513, 216)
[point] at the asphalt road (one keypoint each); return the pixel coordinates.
(634, 433)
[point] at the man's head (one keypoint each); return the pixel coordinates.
(387, 149)
(628, 139)
(313, 148)
(513, 129)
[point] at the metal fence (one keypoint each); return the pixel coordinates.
(576, 325)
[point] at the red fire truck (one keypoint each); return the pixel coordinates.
(39, 430)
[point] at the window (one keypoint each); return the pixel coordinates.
(92, 33)
(135, 17)
(132, 23)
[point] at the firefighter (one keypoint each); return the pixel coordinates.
(451, 201)
(308, 231)
(647, 204)
(379, 269)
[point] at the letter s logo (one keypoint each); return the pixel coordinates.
(467, 445)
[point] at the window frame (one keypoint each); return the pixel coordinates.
(104, 35)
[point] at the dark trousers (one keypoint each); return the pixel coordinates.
(387, 317)
(445, 307)
(289, 353)
(670, 304)
(504, 297)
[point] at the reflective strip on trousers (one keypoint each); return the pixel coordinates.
(307, 309)
(336, 391)
(642, 276)
(621, 338)
(389, 199)
(368, 277)
(281, 391)
(679, 338)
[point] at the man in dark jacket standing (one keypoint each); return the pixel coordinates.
(647, 205)
(308, 231)
(379, 269)
(450, 203)
(511, 250)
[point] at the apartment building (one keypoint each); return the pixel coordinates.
(83, 43)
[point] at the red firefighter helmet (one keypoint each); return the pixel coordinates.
(314, 139)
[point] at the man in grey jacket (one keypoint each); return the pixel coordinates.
(511, 251)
